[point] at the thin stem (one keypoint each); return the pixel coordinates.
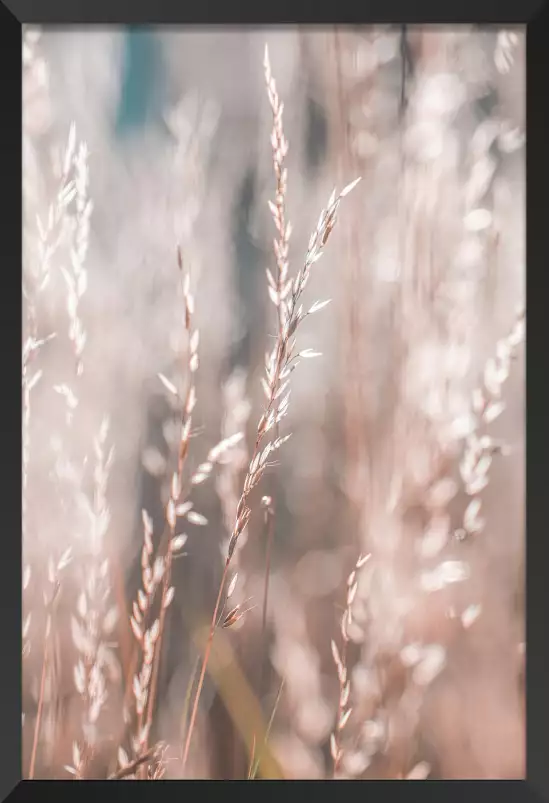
(249, 776)
(356, 408)
(237, 530)
(255, 767)
(270, 537)
(188, 694)
(270, 534)
(38, 722)
(207, 652)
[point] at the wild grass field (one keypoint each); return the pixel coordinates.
(273, 403)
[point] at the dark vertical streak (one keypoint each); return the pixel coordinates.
(406, 68)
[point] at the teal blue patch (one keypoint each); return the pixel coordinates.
(142, 80)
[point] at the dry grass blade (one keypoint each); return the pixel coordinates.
(486, 407)
(279, 290)
(279, 364)
(249, 776)
(175, 490)
(255, 766)
(340, 661)
(134, 765)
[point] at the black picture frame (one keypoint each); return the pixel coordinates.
(533, 13)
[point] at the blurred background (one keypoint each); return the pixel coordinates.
(425, 269)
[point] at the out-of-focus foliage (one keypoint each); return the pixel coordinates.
(407, 433)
